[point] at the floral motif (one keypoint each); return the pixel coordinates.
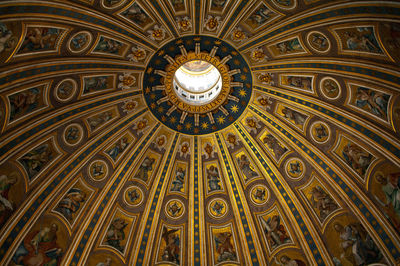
(258, 55)
(129, 106)
(212, 23)
(126, 81)
(209, 150)
(160, 142)
(157, 33)
(184, 24)
(252, 124)
(141, 125)
(238, 35)
(232, 140)
(266, 78)
(184, 149)
(138, 54)
(265, 102)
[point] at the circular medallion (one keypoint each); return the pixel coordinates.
(330, 88)
(133, 196)
(318, 42)
(80, 41)
(98, 170)
(295, 168)
(65, 90)
(259, 194)
(73, 134)
(320, 132)
(174, 209)
(197, 85)
(217, 208)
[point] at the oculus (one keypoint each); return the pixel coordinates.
(197, 82)
(197, 85)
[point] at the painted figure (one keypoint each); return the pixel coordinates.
(322, 202)
(118, 148)
(7, 39)
(246, 167)
(39, 248)
(145, 168)
(172, 247)
(115, 233)
(71, 203)
(391, 189)
(106, 263)
(298, 82)
(213, 179)
(40, 39)
(179, 181)
(357, 158)
(260, 16)
(275, 231)
(107, 45)
(35, 160)
(375, 102)
(95, 84)
(136, 14)
(6, 206)
(294, 116)
(358, 247)
(100, 119)
(289, 46)
(287, 261)
(362, 39)
(277, 148)
(24, 102)
(224, 247)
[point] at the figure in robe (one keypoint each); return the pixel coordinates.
(246, 167)
(144, 169)
(213, 178)
(178, 182)
(358, 247)
(39, 248)
(71, 203)
(6, 206)
(115, 233)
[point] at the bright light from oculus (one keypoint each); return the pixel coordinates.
(197, 82)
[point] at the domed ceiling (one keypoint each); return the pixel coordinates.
(294, 162)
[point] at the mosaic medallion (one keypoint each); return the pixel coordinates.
(295, 168)
(133, 196)
(191, 107)
(217, 208)
(174, 209)
(330, 88)
(65, 90)
(259, 194)
(73, 134)
(320, 132)
(98, 170)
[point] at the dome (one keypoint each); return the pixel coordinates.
(188, 132)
